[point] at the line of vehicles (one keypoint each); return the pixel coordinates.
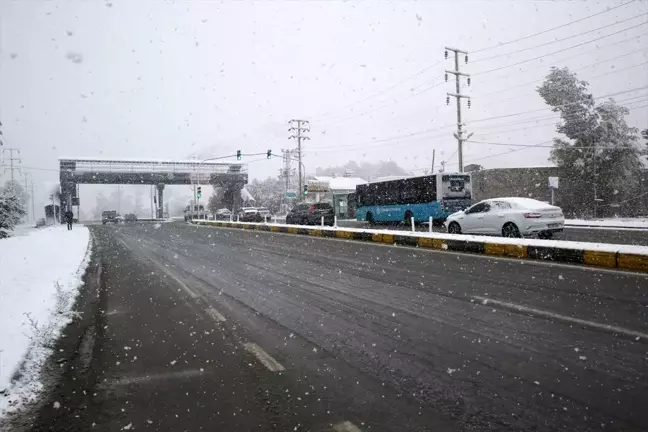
(244, 214)
(446, 199)
(443, 199)
(111, 216)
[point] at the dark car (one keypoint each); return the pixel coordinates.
(311, 214)
(222, 214)
(249, 214)
(130, 217)
(109, 216)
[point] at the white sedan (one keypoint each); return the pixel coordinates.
(508, 217)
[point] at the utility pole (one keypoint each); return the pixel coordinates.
(11, 160)
(26, 189)
(32, 201)
(458, 96)
(433, 156)
(301, 126)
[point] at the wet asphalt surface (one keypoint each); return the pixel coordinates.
(376, 337)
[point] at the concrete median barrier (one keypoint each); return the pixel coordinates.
(602, 255)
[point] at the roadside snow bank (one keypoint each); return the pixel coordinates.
(40, 276)
(612, 222)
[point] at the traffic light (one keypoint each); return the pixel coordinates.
(305, 189)
(269, 154)
(238, 154)
(199, 194)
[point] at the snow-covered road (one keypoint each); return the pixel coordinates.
(40, 274)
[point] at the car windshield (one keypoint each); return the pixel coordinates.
(325, 216)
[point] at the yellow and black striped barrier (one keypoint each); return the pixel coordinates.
(489, 246)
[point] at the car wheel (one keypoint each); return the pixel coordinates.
(370, 218)
(510, 230)
(454, 228)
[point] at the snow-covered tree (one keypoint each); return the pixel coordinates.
(11, 211)
(18, 190)
(473, 167)
(268, 193)
(600, 157)
(217, 200)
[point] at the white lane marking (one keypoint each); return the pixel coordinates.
(165, 270)
(217, 316)
(547, 314)
(265, 358)
(346, 426)
(174, 277)
(151, 378)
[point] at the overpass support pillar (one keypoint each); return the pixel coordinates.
(160, 201)
(232, 195)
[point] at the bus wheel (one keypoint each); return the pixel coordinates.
(408, 217)
(370, 219)
(454, 228)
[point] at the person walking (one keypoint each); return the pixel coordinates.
(69, 218)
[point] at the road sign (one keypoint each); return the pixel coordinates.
(291, 194)
(318, 186)
(553, 182)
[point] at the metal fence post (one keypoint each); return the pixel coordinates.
(430, 225)
(412, 219)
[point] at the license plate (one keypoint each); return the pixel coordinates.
(555, 225)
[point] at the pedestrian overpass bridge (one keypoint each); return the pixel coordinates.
(231, 176)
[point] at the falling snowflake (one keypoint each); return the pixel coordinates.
(57, 405)
(451, 371)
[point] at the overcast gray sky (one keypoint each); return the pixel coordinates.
(155, 79)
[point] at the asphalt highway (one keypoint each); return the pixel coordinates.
(221, 329)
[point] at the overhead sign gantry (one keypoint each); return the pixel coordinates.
(232, 176)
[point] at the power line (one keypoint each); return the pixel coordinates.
(554, 28)
(559, 51)
(557, 40)
(382, 92)
(525, 84)
(558, 106)
(519, 95)
(385, 106)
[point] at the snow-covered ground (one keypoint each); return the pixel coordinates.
(41, 271)
(610, 223)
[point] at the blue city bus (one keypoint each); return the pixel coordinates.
(435, 196)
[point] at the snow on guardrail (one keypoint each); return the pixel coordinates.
(612, 223)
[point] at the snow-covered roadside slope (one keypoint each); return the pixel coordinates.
(40, 276)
